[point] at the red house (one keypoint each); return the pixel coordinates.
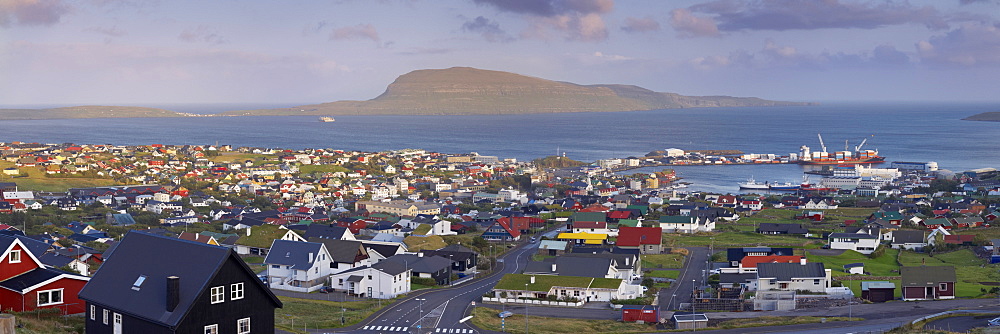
(646, 239)
(644, 313)
(27, 284)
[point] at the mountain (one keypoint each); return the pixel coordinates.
(993, 116)
(468, 91)
(86, 112)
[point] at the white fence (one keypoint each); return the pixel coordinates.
(531, 301)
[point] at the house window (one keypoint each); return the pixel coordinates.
(14, 257)
(274, 266)
(243, 326)
(50, 297)
(93, 312)
(943, 287)
(816, 281)
(236, 291)
(105, 317)
(218, 294)
(212, 329)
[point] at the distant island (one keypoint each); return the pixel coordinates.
(452, 91)
(87, 112)
(993, 116)
(471, 91)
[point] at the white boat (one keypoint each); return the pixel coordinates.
(326, 119)
(751, 184)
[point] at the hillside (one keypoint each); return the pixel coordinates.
(86, 112)
(467, 91)
(986, 116)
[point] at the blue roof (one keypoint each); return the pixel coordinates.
(293, 253)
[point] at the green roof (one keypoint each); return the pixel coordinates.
(642, 208)
(675, 219)
(262, 236)
(628, 222)
(544, 283)
(589, 217)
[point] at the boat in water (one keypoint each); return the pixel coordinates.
(326, 119)
(787, 186)
(845, 157)
(754, 185)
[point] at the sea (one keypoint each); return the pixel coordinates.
(900, 131)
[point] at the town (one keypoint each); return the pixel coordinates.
(222, 239)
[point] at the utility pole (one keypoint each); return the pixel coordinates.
(526, 311)
(694, 324)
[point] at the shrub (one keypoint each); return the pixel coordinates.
(424, 281)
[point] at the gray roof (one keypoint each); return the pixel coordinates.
(867, 285)
(390, 267)
(419, 264)
(735, 278)
(293, 253)
(342, 251)
(355, 278)
(926, 276)
(908, 237)
(571, 266)
(787, 271)
(325, 231)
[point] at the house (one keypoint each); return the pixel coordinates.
(345, 254)
(749, 263)
(430, 266)
(855, 268)
(606, 265)
(553, 247)
(908, 240)
(860, 242)
(501, 231)
(587, 289)
(878, 291)
(641, 313)
(793, 277)
(205, 239)
(583, 238)
(591, 227)
(776, 228)
(464, 259)
(28, 284)
(689, 320)
(297, 266)
(928, 283)
(646, 239)
(154, 284)
(381, 280)
(960, 239)
(324, 231)
(686, 224)
(735, 255)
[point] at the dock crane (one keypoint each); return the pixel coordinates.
(821, 144)
(858, 148)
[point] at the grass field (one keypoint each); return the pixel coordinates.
(884, 265)
(37, 180)
(735, 239)
(418, 243)
(298, 315)
(673, 260)
(664, 273)
(307, 169)
(486, 318)
(239, 157)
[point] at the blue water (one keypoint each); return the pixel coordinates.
(902, 132)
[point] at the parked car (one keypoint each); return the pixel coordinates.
(994, 322)
(505, 314)
(533, 239)
(326, 289)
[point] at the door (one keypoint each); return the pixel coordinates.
(118, 323)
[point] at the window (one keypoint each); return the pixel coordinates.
(138, 282)
(93, 312)
(50, 297)
(943, 287)
(14, 257)
(218, 294)
(105, 317)
(236, 291)
(274, 266)
(243, 326)
(212, 329)
(816, 282)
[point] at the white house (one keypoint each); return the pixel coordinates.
(297, 266)
(686, 224)
(793, 276)
(584, 289)
(384, 280)
(860, 242)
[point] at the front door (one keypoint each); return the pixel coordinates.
(118, 323)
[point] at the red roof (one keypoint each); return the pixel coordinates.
(958, 238)
(752, 261)
(635, 236)
(619, 214)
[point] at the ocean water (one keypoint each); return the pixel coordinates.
(900, 131)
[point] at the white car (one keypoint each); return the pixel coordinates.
(994, 322)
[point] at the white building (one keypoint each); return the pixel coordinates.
(297, 266)
(812, 277)
(859, 242)
(383, 280)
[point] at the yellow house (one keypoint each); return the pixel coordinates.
(584, 238)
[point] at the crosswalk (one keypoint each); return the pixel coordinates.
(382, 329)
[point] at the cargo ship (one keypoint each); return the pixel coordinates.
(845, 157)
(754, 185)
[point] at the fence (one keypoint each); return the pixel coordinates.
(532, 302)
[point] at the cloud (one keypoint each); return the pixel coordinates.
(972, 44)
(574, 19)
(110, 32)
(601, 55)
(634, 24)
(774, 55)
(688, 25)
(361, 31)
(31, 12)
(489, 29)
(966, 2)
(202, 34)
(781, 15)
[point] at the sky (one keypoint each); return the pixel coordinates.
(135, 52)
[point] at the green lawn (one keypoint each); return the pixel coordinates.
(308, 169)
(664, 273)
(673, 260)
(486, 318)
(298, 314)
(882, 266)
(727, 239)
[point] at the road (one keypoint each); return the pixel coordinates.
(960, 324)
(693, 274)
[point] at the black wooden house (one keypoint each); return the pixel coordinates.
(154, 284)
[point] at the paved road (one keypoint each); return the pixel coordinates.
(693, 274)
(960, 324)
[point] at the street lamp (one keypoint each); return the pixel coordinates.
(672, 297)
(526, 311)
(421, 307)
(451, 265)
(694, 324)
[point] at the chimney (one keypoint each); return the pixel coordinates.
(248, 231)
(310, 257)
(553, 270)
(802, 260)
(173, 292)
(533, 277)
